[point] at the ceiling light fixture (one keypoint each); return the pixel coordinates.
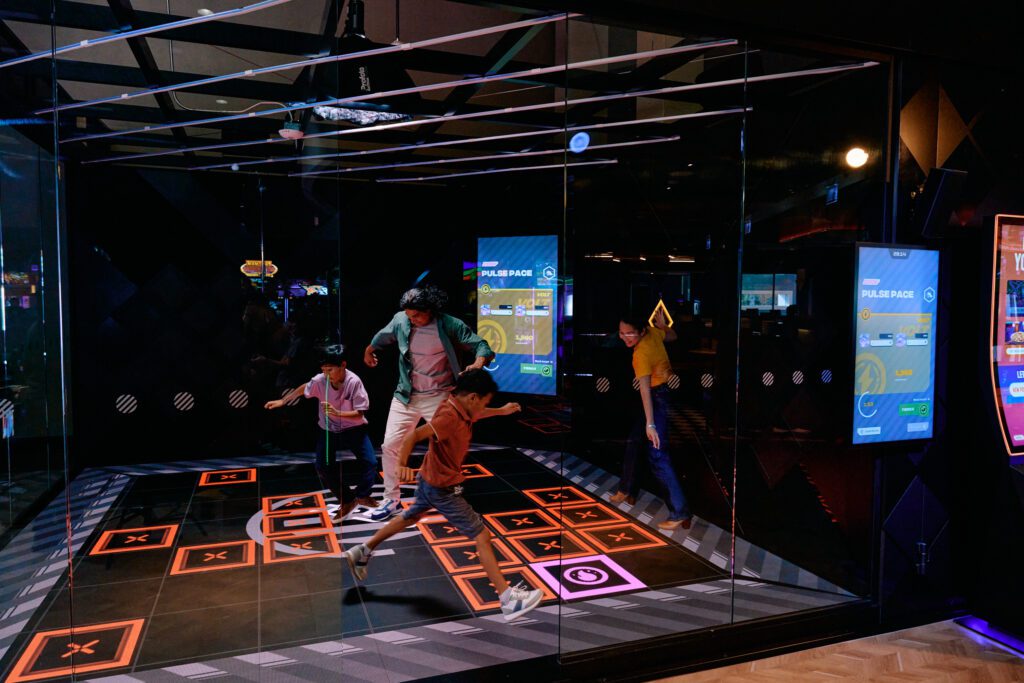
(856, 157)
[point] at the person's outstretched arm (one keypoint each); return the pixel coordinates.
(507, 409)
(286, 399)
(662, 324)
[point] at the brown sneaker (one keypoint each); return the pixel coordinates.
(343, 511)
(670, 524)
(621, 496)
(367, 501)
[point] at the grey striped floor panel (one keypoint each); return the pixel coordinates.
(452, 647)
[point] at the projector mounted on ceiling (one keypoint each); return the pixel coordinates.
(354, 77)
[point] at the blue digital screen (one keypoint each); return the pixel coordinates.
(893, 380)
(517, 310)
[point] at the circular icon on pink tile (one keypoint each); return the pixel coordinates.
(586, 576)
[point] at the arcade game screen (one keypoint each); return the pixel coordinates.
(1008, 329)
(517, 310)
(896, 303)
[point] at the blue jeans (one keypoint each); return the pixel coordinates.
(450, 503)
(328, 467)
(660, 462)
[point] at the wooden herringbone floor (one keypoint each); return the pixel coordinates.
(937, 652)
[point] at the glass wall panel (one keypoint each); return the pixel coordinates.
(815, 185)
(652, 243)
(38, 509)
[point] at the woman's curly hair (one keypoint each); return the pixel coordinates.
(430, 299)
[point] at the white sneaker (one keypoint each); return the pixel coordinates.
(518, 600)
(358, 559)
(386, 510)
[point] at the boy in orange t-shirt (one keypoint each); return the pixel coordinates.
(450, 431)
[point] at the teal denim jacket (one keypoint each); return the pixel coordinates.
(453, 333)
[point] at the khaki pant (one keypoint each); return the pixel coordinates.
(402, 419)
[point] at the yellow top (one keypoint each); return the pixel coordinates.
(650, 357)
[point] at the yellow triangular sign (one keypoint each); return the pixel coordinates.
(661, 307)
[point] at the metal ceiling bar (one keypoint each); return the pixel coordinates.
(464, 141)
(445, 143)
(488, 157)
(140, 32)
(306, 63)
(499, 170)
(124, 13)
(417, 89)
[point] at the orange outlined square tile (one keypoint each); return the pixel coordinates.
(437, 529)
(550, 545)
(278, 524)
(95, 648)
(473, 470)
(296, 501)
(461, 557)
(616, 538)
(521, 521)
(480, 594)
(211, 557)
(131, 540)
(558, 495)
(304, 547)
(225, 477)
(586, 515)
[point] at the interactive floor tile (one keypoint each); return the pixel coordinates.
(224, 572)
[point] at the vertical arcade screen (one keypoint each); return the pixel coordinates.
(1008, 329)
(517, 310)
(893, 381)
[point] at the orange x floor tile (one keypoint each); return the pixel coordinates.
(304, 547)
(480, 593)
(296, 501)
(211, 557)
(224, 477)
(616, 538)
(521, 521)
(461, 557)
(558, 495)
(132, 540)
(94, 648)
(549, 545)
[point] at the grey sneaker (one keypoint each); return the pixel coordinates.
(358, 559)
(386, 510)
(518, 600)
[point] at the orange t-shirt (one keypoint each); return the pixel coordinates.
(651, 358)
(453, 431)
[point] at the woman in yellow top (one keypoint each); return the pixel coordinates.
(652, 369)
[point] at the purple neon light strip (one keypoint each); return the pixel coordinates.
(249, 73)
(992, 632)
(139, 32)
(489, 157)
(516, 169)
(539, 71)
(463, 141)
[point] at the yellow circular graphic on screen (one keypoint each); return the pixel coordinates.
(485, 289)
(493, 334)
(865, 314)
(869, 375)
